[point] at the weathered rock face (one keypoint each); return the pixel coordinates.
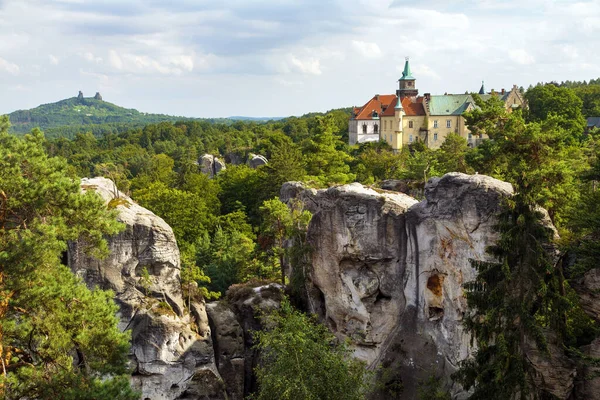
(256, 160)
(232, 323)
(211, 165)
(588, 289)
(388, 271)
(171, 348)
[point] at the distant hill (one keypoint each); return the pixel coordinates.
(256, 119)
(81, 111)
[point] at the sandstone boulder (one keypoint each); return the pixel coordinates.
(256, 160)
(171, 348)
(211, 165)
(233, 322)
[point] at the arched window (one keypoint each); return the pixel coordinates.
(364, 128)
(375, 128)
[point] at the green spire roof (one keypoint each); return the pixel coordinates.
(398, 104)
(406, 75)
(482, 90)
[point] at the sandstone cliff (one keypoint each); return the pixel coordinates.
(388, 273)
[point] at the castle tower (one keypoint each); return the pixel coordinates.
(407, 86)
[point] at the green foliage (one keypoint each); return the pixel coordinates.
(432, 389)
(374, 162)
(452, 155)
(229, 258)
(145, 280)
(57, 338)
(300, 361)
(539, 157)
(241, 190)
(280, 223)
(546, 100)
(590, 97)
(325, 162)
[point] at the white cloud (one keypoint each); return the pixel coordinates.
(367, 49)
(53, 59)
(115, 60)
(309, 66)
(9, 67)
(183, 61)
(423, 70)
(521, 56)
(145, 64)
(90, 57)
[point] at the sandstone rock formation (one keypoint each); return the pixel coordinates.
(210, 165)
(588, 289)
(232, 323)
(387, 273)
(256, 160)
(171, 348)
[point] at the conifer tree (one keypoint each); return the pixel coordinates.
(58, 340)
(519, 300)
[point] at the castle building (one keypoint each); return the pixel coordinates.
(406, 117)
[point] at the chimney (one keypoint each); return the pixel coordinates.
(377, 97)
(503, 91)
(427, 96)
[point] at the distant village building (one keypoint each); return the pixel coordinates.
(406, 117)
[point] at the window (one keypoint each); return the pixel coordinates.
(435, 137)
(448, 124)
(435, 124)
(375, 128)
(364, 128)
(410, 139)
(410, 124)
(470, 136)
(385, 125)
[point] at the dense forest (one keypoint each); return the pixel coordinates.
(230, 228)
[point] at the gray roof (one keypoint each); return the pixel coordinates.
(593, 122)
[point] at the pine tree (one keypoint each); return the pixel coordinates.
(57, 338)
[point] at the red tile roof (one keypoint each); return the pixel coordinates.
(410, 108)
(377, 103)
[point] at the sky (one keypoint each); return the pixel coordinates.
(270, 58)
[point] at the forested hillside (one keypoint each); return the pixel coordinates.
(60, 118)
